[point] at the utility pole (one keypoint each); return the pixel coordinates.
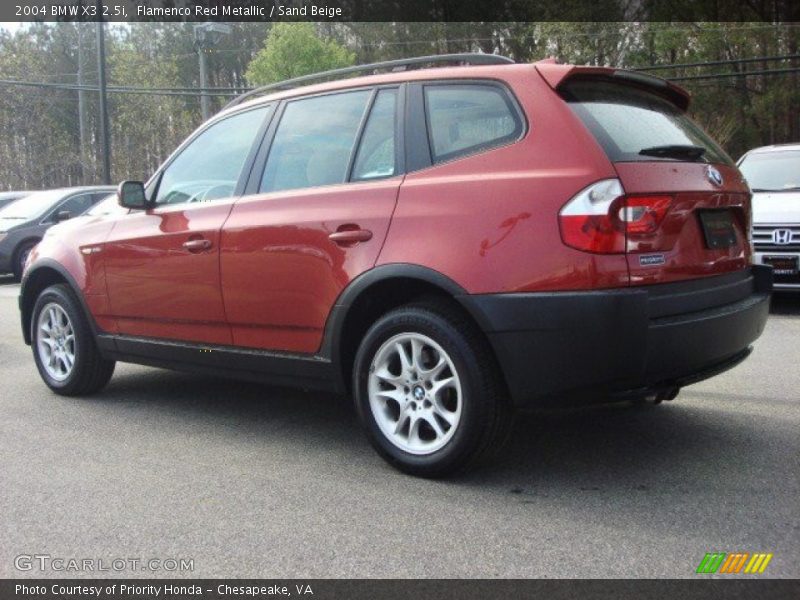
(82, 134)
(206, 36)
(205, 105)
(101, 70)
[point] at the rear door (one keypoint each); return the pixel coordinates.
(690, 203)
(162, 264)
(316, 218)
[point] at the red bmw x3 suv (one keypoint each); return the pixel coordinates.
(445, 244)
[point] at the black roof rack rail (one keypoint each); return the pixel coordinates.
(465, 58)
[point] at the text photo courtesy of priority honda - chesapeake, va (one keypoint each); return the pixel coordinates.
(368, 303)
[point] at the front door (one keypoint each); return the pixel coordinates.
(162, 264)
(320, 216)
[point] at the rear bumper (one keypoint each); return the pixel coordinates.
(783, 283)
(592, 345)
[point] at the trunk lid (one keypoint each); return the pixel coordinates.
(686, 209)
(685, 245)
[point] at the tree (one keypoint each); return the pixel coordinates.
(735, 102)
(145, 128)
(295, 49)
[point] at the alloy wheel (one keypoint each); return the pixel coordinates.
(55, 341)
(415, 393)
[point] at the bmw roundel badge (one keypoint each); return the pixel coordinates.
(713, 175)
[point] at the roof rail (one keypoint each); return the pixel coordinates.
(401, 64)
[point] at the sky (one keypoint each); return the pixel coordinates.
(13, 26)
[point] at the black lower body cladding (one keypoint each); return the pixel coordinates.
(592, 345)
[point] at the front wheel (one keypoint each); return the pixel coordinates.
(64, 348)
(428, 392)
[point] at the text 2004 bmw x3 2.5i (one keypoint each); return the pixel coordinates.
(445, 244)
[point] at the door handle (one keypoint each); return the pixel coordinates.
(197, 245)
(350, 236)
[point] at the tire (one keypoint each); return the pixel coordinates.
(472, 411)
(57, 311)
(20, 256)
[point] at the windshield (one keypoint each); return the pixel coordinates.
(31, 206)
(633, 124)
(107, 206)
(777, 171)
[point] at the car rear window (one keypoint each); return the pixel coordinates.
(626, 120)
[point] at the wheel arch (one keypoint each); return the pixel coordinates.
(371, 295)
(35, 239)
(43, 274)
(30, 240)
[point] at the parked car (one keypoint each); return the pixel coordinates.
(773, 173)
(107, 206)
(445, 244)
(9, 197)
(23, 223)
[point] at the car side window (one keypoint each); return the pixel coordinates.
(76, 205)
(376, 152)
(314, 141)
(210, 166)
(97, 196)
(468, 118)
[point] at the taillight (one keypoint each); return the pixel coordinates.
(601, 218)
(590, 221)
(643, 214)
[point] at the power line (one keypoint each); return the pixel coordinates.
(716, 63)
(235, 89)
(229, 91)
(742, 73)
(125, 89)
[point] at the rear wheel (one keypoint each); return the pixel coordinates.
(427, 390)
(64, 348)
(20, 258)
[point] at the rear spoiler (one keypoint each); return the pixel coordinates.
(556, 75)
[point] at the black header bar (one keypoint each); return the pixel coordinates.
(398, 10)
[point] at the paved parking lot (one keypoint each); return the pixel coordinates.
(256, 481)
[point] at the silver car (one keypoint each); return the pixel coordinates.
(9, 197)
(24, 221)
(773, 173)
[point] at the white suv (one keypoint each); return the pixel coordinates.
(773, 173)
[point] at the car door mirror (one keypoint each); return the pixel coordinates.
(63, 215)
(131, 194)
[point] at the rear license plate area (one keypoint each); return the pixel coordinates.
(782, 265)
(719, 229)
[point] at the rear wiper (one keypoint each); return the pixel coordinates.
(674, 151)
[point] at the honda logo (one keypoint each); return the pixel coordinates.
(782, 237)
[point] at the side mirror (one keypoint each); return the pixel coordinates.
(63, 215)
(130, 194)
